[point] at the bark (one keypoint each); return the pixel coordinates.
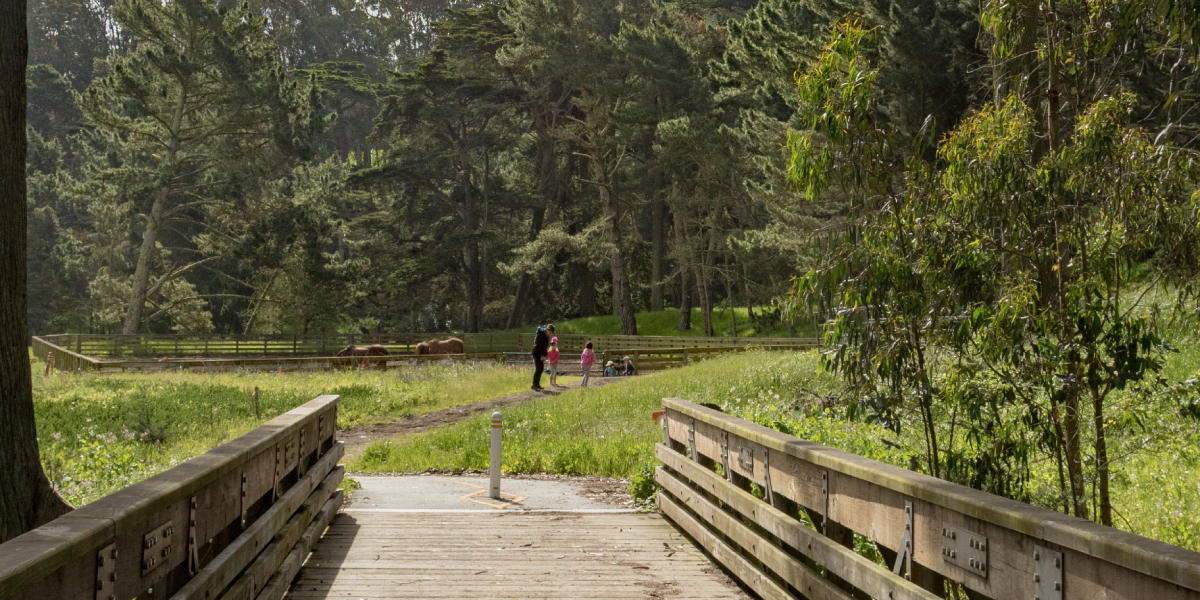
(525, 284)
(658, 259)
(703, 281)
(1101, 447)
(141, 273)
(622, 300)
(472, 261)
(26, 498)
(685, 292)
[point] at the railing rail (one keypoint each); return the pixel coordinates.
(232, 520)
(931, 530)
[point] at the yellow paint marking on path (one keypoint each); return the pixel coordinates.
(505, 501)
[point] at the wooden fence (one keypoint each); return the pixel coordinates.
(147, 345)
(236, 522)
(646, 360)
(782, 513)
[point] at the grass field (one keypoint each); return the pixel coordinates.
(608, 431)
(99, 433)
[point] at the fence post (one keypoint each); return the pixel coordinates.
(497, 430)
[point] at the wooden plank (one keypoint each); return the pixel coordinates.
(786, 567)
(725, 554)
(257, 573)
(279, 583)
(863, 574)
(508, 555)
(218, 574)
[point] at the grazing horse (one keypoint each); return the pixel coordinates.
(436, 346)
(372, 350)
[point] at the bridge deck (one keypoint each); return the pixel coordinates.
(377, 553)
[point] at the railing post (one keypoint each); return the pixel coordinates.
(497, 430)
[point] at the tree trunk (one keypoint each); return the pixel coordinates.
(621, 298)
(703, 277)
(525, 284)
(141, 273)
(26, 498)
(658, 210)
(471, 259)
(685, 292)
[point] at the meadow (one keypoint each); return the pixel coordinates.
(99, 433)
(608, 431)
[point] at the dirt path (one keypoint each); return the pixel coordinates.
(357, 439)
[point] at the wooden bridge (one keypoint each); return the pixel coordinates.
(779, 514)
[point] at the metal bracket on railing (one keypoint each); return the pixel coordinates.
(725, 455)
(965, 549)
(245, 509)
(106, 572)
(692, 438)
(278, 473)
(193, 549)
(767, 476)
(157, 547)
(320, 434)
(904, 553)
(300, 467)
(825, 496)
(1047, 573)
(666, 430)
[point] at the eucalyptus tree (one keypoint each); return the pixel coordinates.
(186, 127)
(1016, 250)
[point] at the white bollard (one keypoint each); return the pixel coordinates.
(497, 429)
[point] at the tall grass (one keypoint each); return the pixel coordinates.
(99, 433)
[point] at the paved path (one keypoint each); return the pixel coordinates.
(443, 537)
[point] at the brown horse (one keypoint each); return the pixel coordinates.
(436, 346)
(372, 350)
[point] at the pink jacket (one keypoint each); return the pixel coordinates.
(552, 356)
(587, 358)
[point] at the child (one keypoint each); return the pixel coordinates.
(552, 361)
(609, 369)
(628, 366)
(586, 360)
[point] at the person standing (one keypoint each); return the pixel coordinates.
(541, 345)
(552, 361)
(586, 360)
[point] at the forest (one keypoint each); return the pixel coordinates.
(990, 208)
(310, 166)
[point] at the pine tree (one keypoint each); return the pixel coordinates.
(187, 125)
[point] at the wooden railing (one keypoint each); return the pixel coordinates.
(782, 513)
(235, 522)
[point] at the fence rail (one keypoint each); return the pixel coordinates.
(148, 345)
(748, 495)
(235, 522)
